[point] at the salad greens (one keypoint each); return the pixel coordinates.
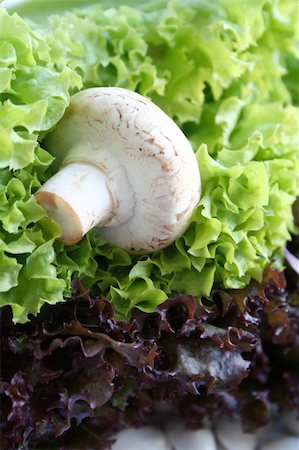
(228, 78)
(234, 356)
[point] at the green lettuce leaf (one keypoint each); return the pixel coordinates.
(33, 97)
(229, 80)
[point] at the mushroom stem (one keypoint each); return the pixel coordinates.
(71, 197)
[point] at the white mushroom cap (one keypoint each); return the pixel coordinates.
(151, 175)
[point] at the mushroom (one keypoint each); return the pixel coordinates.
(124, 166)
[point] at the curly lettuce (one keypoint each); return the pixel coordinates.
(227, 78)
(33, 97)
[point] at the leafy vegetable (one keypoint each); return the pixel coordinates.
(227, 78)
(74, 375)
(34, 95)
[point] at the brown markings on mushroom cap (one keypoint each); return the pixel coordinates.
(150, 142)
